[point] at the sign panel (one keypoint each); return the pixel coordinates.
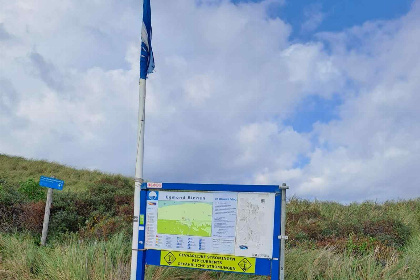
(52, 183)
(254, 227)
(208, 261)
(211, 222)
(233, 228)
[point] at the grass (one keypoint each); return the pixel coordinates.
(322, 224)
(17, 169)
(90, 234)
(72, 258)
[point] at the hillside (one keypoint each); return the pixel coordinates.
(90, 232)
(17, 169)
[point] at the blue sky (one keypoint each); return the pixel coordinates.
(337, 14)
(321, 95)
(341, 14)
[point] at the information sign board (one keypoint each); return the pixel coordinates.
(51, 183)
(214, 227)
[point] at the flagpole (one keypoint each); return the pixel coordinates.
(138, 175)
(146, 66)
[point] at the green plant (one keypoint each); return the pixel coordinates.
(31, 190)
(65, 221)
(390, 231)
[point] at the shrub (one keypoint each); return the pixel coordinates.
(31, 190)
(32, 216)
(106, 227)
(65, 221)
(10, 218)
(10, 196)
(10, 210)
(391, 232)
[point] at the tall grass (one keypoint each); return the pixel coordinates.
(22, 258)
(325, 264)
(71, 259)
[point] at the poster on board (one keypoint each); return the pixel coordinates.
(254, 226)
(227, 223)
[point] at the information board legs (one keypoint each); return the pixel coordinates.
(275, 267)
(141, 265)
(141, 252)
(283, 236)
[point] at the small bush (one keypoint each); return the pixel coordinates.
(10, 218)
(32, 216)
(31, 190)
(65, 221)
(10, 209)
(106, 227)
(9, 195)
(391, 232)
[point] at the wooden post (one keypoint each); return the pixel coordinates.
(46, 217)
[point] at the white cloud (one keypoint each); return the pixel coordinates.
(313, 17)
(226, 79)
(372, 151)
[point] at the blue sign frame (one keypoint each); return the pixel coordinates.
(51, 183)
(268, 267)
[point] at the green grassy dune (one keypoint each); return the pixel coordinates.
(90, 232)
(15, 170)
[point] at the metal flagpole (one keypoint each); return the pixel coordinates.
(138, 175)
(146, 66)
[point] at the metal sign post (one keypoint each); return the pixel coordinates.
(229, 228)
(283, 237)
(50, 183)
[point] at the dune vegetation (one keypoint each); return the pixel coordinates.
(90, 232)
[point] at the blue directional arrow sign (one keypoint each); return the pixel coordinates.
(52, 183)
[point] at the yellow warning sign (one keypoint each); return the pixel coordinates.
(208, 261)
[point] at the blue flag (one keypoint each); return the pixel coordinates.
(147, 62)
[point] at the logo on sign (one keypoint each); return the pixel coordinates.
(244, 264)
(153, 195)
(170, 258)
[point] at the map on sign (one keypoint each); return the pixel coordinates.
(185, 218)
(254, 225)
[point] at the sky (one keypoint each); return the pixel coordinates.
(321, 95)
